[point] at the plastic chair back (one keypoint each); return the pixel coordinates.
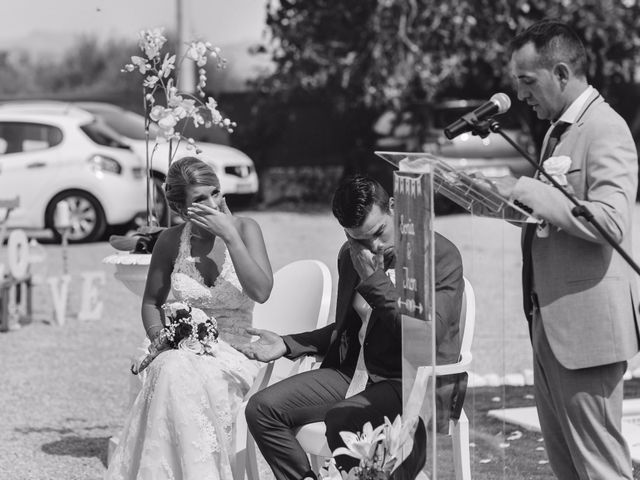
(299, 300)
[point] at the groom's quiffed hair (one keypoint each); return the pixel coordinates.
(355, 197)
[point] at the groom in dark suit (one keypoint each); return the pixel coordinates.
(366, 314)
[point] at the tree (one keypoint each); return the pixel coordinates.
(88, 67)
(368, 56)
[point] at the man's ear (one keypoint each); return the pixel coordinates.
(563, 72)
(391, 204)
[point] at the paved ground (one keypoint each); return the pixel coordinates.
(64, 388)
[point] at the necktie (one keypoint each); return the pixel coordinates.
(554, 137)
(527, 271)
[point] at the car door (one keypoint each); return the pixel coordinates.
(27, 169)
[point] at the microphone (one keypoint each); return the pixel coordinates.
(497, 104)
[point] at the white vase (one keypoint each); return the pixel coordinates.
(131, 269)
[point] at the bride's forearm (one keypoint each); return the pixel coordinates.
(152, 320)
(254, 280)
(246, 247)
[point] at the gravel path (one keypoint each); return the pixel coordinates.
(63, 389)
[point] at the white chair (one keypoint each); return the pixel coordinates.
(312, 436)
(299, 302)
(458, 428)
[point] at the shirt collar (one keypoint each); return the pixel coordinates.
(572, 113)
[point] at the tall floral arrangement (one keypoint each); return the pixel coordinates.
(169, 108)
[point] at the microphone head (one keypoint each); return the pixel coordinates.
(502, 100)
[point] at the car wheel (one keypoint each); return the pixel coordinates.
(88, 221)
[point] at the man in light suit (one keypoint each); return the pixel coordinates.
(580, 296)
(367, 313)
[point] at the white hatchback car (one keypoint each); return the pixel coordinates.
(234, 168)
(47, 158)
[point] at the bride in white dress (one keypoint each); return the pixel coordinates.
(180, 425)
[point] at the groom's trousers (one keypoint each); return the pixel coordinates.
(274, 413)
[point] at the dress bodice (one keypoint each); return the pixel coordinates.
(225, 299)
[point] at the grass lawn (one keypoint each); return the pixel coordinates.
(63, 388)
(498, 450)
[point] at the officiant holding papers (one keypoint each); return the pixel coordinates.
(580, 295)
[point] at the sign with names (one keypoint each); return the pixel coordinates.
(413, 212)
(414, 242)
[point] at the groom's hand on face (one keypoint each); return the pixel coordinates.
(269, 346)
(365, 262)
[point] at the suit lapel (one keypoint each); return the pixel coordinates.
(594, 99)
(569, 144)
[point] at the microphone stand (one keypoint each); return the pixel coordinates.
(483, 128)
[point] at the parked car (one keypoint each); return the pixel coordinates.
(47, 158)
(234, 168)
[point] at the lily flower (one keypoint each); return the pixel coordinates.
(398, 440)
(361, 446)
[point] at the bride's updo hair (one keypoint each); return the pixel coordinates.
(183, 173)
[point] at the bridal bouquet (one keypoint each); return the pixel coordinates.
(380, 450)
(190, 328)
(187, 328)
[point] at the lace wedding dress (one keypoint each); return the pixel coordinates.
(180, 425)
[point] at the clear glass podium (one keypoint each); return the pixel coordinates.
(476, 194)
(419, 178)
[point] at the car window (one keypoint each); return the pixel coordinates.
(127, 124)
(131, 125)
(16, 137)
(102, 135)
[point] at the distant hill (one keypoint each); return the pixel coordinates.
(241, 65)
(39, 43)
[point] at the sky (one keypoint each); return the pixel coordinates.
(52, 24)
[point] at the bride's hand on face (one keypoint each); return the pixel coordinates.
(216, 220)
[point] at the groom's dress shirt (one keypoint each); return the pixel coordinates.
(361, 376)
